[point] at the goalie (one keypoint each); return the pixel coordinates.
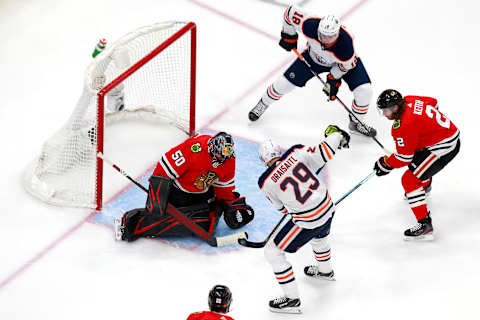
(197, 178)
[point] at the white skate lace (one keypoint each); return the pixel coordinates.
(418, 226)
(259, 108)
(363, 128)
(279, 300)
(312, 270)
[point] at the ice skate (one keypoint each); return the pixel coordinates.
(358, 128)
(422, 231)
(117, 224)
(312, 271)
(257, 111)
(285, 305)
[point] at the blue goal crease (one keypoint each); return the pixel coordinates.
(248, 169)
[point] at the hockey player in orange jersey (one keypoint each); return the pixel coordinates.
(426, 141)
(201, 173)
(219, 300)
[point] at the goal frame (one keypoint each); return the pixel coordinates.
(189, 27)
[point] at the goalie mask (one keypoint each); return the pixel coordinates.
(220, 148)
(219, 299)
(269, 150)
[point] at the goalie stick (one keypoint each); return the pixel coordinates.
(338, 99)
(180, 217)
(261, 244)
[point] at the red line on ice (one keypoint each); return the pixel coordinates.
(77, 226)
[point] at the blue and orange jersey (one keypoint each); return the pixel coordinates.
(340, 55)
(291, 184)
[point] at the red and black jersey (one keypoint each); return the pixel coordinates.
(208, 315)
(421, 126)
(192, 170)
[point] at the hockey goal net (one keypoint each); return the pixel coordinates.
(149, 74)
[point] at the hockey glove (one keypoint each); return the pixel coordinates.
(344, 143)
(288, 41)
(237, 212)
(331, 87)
(381, 167)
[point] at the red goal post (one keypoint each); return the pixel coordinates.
(152, 72)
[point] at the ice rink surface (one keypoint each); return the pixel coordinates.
(62, 263)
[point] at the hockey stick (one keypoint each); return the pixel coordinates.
(180, 217)
(261, 244)
(105, 159)
(338, 99)
(371, 174)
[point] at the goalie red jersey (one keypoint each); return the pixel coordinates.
(208, 315)
(193, 169)
(421, 126)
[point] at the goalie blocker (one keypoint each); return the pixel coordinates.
(203, 209)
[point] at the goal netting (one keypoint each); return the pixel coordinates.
(150, 75)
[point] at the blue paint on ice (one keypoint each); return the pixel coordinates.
(248, 167)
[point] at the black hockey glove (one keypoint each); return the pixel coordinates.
(331, 87)
(381, 167)
(237, 212)
(344, 143)
(288, 41)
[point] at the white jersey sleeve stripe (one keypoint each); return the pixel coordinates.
(168, 168)
(403, 158)
(225, 184)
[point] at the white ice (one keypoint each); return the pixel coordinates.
(55, 265)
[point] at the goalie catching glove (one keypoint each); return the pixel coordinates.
(344, 143)
(237, 212)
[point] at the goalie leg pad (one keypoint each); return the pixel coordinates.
(158, 193)
(130, 221)
(150, 225)
(200, 214)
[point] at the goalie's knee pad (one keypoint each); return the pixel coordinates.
(158, 193)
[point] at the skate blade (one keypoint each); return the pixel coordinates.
(295, 310)
(355, 132)
(323, 278)
(423, 237)
(118, 233)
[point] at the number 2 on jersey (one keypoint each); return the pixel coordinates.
(429, 111)
(302, 173)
